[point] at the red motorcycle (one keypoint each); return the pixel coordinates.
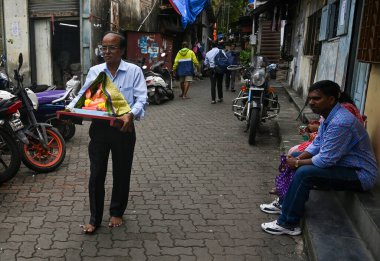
(40, 146)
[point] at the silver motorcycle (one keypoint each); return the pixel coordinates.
(256, 101)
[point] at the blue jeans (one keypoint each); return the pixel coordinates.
(308, 177)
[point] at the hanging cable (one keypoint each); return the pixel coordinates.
(151, 10)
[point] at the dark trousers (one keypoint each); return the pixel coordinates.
(306, 178)
(104, 139)
(216, 81)
(228, 79)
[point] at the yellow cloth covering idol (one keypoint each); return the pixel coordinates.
(115, 103)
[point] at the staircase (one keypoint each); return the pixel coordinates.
(270, 42)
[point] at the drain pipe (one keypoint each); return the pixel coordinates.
(151, 10)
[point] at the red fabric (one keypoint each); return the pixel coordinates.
(352, 108)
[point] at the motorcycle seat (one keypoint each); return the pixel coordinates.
(49, 96)
(150, 73)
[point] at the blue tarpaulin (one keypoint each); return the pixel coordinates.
(189, 9)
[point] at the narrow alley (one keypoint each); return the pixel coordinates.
(195, 194)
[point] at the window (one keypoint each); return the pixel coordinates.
(369, 44)
(334, 19)
(312, 45)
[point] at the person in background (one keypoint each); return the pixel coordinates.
(183, 67)
(198, 50)
(130, 80)
(215, 77)
(233, 58)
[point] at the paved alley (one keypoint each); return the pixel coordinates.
(195, 193)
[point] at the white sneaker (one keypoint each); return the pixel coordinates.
(271, 208)
(275, 229)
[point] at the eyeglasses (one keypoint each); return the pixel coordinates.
(111, 48)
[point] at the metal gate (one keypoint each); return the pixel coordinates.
(48, 8)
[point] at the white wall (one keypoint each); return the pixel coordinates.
(43, 41)
(17, 35)
(302, 64)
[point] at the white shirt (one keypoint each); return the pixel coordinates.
(210, 57)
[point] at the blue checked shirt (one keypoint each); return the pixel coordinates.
(130, 81)
(342, 141)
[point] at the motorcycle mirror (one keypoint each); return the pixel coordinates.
(20, 61)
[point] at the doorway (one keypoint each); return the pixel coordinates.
(56, 49)
(65, 51)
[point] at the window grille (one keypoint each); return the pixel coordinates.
(312, 46)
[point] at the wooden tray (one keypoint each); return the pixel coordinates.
(78, 115)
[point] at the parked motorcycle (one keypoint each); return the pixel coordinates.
(159, 82)
(10, 126)
(47, 101)
(42, 147)
(256, 102)
(5, 83)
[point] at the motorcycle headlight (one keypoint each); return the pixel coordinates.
(258, 78)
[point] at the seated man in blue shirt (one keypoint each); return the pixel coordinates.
(340, 158)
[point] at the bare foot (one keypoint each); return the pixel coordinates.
(88, 228)
(115, 222)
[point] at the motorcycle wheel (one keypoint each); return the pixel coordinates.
(253, 126)
(42, 160)
(157, 99)
(10, 159)
(66, 128)
(170, 94)
(150, 99)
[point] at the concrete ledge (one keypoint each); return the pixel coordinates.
(364, 212)
(328, 231)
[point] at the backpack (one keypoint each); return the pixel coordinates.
(221, 62)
